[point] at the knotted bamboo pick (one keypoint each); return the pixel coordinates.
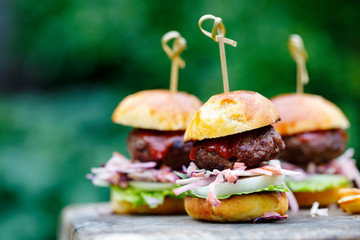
(299, 54)
(218, 35)
(179, 45)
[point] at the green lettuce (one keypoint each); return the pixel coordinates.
(181, 175)
(271, 188)
(317, 183)
(141, 197)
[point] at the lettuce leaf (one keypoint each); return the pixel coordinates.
(271, 188)
(141, 197)
(317, 183)
(181, 175)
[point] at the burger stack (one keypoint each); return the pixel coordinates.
(313, 130)
(156, 146)
(232, 176)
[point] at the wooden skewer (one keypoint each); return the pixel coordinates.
(218, 35)
(179, 45)
(299, 54)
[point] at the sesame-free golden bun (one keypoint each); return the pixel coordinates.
(324, 198)
(230, 113)
(307, 112)
(350, 204)
(157, 109)
(170, 206)
(345, 192)
(240, 208)
(349, 200)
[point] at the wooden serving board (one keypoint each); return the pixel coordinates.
(90, 221)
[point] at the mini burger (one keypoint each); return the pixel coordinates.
(313, 130)
(232, 176)
(156, 147)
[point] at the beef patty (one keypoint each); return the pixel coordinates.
(164, 147)
(317, 147)
(251, 147)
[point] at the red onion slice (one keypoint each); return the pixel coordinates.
(293, 204)
(269, 216)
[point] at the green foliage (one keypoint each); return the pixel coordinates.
(88, 55)
(48, 144)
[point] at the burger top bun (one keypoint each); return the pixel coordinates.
(157, 109)
(230, 113)
(307, 112)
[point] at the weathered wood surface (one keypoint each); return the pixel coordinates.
(87, 221)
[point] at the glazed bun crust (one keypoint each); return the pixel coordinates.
(241, 208)
(324, 198)
(170, 206)
(307, 112)
(157, 109)
(350, 204)
(230, 113)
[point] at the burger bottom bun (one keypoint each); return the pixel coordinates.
(324, 198)
(170, 206)
(241, 208)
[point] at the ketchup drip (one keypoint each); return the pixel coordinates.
(159, 142)
(224, 146)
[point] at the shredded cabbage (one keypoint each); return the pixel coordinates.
(214, 185)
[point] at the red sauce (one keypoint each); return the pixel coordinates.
(159, 142)
(193, 151)
(224, 146)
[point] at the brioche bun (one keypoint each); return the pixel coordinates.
(324, 198)
(350, 204)
(157, 109)
(230, 113)
(240, 208)
(349, 200)
(345, 192)
(307, 112)
(170, 206)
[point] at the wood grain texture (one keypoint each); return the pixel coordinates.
(88, 221)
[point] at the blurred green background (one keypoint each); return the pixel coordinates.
(65, 65)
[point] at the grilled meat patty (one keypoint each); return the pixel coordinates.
(164, 147)
(317, 147)
(251, 147)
